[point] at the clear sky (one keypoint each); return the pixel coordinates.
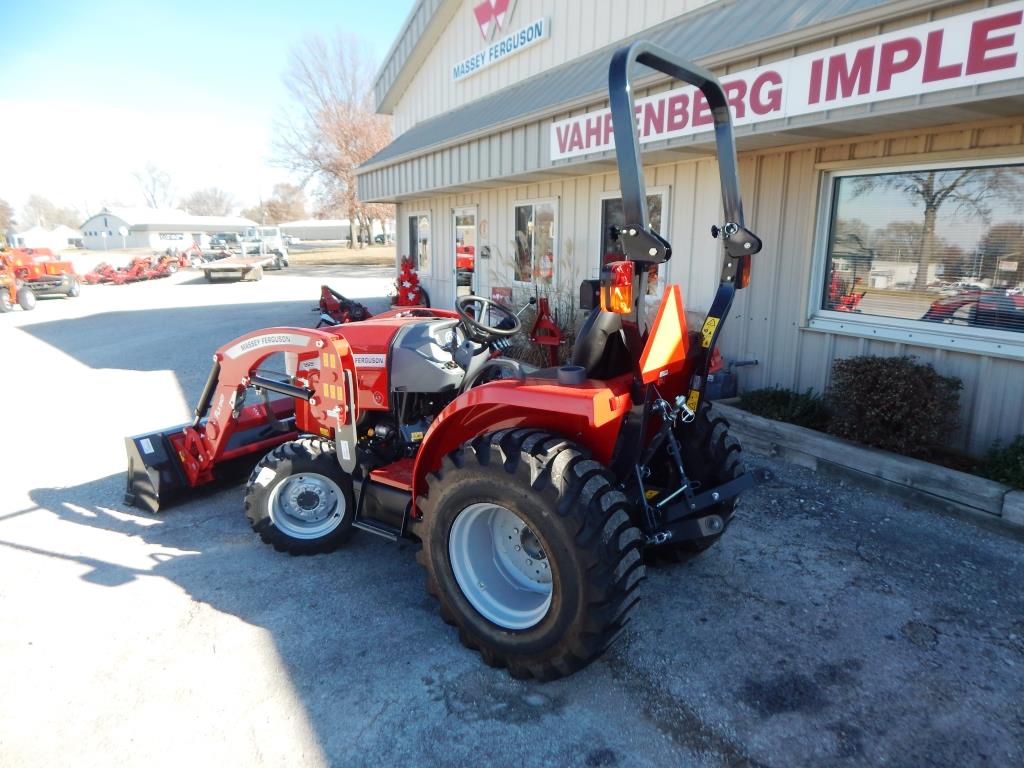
(92, 90)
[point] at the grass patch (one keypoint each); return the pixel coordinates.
(376, 256)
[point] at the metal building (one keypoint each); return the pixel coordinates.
(155, 229)
(880, 150)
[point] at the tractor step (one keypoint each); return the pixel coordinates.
(383, 505)
(384, 530)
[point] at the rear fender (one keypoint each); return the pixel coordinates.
(589, 414)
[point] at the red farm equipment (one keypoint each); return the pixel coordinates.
(29, 272)
(144, 268)
(102, 273)
(536, 494)
(335, 309)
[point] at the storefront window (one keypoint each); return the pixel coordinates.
(419, 242)
(940, 245)
(613, 217)
(535, 243)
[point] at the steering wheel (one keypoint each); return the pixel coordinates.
(479, 331)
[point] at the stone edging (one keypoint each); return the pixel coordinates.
(955, 491)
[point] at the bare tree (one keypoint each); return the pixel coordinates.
(6, 216)
(970, 191)
(288, 203)
(333, 128)
(211, 201)
(39, 211)
(155, 184)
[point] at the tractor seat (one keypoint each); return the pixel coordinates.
(600, 347)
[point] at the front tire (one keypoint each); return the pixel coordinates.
(26, 298)
(299, 500)
(530, 551)
(74, 288)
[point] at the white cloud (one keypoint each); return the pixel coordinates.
(82, 154)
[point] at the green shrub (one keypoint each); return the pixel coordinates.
(1005, 464)
(893, 403)
(803, 409)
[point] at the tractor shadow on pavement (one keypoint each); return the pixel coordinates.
(831, 625)
(377, 671)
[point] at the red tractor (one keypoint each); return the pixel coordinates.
(29, 272)
(535, 494)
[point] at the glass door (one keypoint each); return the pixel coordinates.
(465, 255)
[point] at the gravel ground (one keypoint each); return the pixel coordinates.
(831, 626)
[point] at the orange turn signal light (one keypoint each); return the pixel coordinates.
(743, 273)
(617, 287)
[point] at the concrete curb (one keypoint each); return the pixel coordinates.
(953, 491)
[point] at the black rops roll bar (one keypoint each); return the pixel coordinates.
(639, 243)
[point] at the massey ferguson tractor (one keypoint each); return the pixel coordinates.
(537, 495)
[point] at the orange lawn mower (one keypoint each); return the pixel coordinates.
(536, 494)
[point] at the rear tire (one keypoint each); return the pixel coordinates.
(26, 298)
(299, 500)
(711, 457)
(6, 305)
(74, 288)
(506, 503)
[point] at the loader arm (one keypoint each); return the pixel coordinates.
(225, 428)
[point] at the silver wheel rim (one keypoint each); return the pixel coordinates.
(500, 566)
(306, 506)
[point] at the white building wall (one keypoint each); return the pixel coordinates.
(694, 202)
(577, 28)
(93, 228)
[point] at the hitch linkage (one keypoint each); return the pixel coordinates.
(665, 521)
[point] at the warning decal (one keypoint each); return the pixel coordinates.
(707, 333)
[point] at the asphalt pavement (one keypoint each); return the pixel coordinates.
(831, 626)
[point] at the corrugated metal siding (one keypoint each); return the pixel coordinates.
(769, 319)
(402, 49)
(434, 109)
(578, 27)
(588, 75)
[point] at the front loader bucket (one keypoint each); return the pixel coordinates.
(154, 476)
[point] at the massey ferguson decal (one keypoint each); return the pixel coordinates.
(370, 361)
(965, 50)
(492, 16)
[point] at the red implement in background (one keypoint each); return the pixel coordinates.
(545, 331)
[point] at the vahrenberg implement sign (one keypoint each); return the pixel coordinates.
(970, 49)
(508, 45)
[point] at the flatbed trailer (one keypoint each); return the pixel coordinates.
(244, 267)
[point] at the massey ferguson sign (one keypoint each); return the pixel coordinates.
(970, 49)
(493, 16)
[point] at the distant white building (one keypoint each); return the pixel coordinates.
(318, 229)
(331, 229)
(155, 229)
(58, 239)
